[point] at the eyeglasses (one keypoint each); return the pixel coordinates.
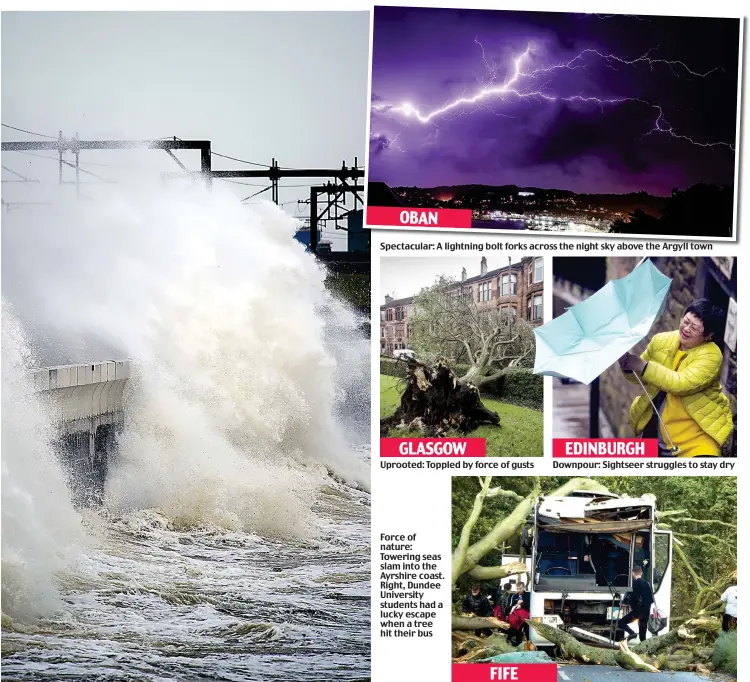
(691, 326)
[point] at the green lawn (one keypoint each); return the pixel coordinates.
(520, 434)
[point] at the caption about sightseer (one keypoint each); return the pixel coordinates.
(409, 585)
(650, 246)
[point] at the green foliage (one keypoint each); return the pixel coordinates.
(390, 367)
(520, 433)
(519, 387)
(353, 288)
(725, 652)
(447, 322)
(704, 497)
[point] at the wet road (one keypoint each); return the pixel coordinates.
(597, 673)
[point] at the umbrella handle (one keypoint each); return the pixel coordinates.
(674, 448)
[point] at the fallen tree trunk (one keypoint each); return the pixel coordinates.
(679, 649)
(632, 661)
(497, 572)
(572, 648)
(435, 402)
(478, 623)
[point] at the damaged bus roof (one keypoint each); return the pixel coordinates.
(595, 513)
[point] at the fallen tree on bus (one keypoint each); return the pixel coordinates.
(689, 645)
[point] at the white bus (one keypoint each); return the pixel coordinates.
(580, 552)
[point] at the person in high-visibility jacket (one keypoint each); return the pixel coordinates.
(680, 370)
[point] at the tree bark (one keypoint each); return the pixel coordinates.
(497, 572)
(459, 553)
(572, 648)
(478, 623)
(676, 650)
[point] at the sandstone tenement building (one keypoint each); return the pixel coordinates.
(518, 287)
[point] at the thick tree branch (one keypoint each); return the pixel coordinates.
(497, 572)
(459, 554)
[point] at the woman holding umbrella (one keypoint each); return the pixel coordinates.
(683, 406)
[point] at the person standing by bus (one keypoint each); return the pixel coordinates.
(520, 612)
(641, 599)
(729, 621)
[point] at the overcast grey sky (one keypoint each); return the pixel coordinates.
(289, 85)
(402, 277)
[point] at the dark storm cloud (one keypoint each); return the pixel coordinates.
(424, 59)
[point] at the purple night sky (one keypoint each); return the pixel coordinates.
(542, 126)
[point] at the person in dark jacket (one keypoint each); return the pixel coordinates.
(476, 603)
(641, 599)
(502, 602)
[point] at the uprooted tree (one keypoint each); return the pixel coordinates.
(448, 322)
(487, 517)
(434, 402)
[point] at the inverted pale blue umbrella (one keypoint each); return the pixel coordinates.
(593, 334)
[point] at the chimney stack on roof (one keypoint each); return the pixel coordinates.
(388, 299)
(463, 275)
(483, 266)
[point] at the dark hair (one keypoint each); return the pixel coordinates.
(475, 586)
(711, 315)
(507, 587)
(637, 569)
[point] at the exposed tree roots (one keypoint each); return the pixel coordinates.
(435, 402)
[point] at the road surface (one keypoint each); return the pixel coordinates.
(598, 673)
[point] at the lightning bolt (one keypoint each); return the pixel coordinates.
(387, 142)
(661, 125)
(513, 87)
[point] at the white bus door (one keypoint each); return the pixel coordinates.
(661, 574)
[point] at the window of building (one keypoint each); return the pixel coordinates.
(485, 291)
(506, 287)
(382, 315)
(389, 315)
(382, 332)
(538, 269)
(513, 285)
(528, 308)
(538, 307)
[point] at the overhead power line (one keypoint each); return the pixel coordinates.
(29, 132)
(233, 158)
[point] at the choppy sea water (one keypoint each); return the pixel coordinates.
(154, 602)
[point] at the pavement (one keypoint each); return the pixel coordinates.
(599, 673)
(570, 412)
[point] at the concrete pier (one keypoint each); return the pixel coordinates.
(87, 400)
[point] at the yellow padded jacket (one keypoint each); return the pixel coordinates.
(696, 381)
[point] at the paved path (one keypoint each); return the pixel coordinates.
(598, 673)
(570, 412)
